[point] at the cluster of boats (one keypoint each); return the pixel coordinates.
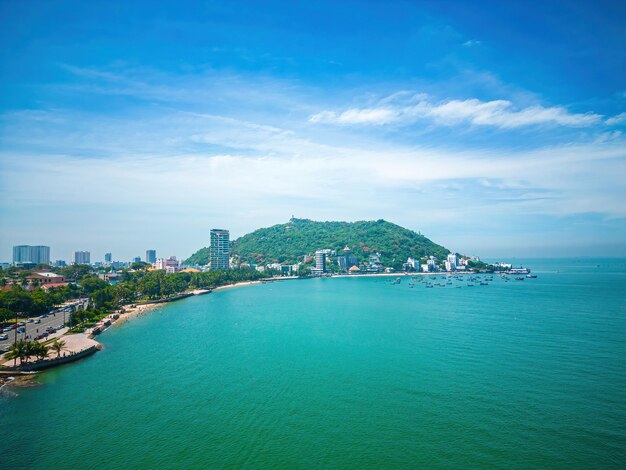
(457, 280)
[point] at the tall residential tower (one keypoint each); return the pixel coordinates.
(151, 256)
(219, 251)
(82, 257)
(37, 254)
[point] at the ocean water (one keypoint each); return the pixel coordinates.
(347, 373)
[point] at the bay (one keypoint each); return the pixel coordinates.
(347, 373)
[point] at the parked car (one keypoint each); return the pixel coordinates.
(3, 337)
(7, 329)
(4, 349)
(21, 329)
(37, 321)
(21, 323)
(41, 336)
(43, 316)
(30, 320)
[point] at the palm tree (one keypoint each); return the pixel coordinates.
(17, 351)
(58, 346)
(30, 349)
(40, 350)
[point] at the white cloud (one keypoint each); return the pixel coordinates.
(357, 116)
(184, 169)
(498, 113)
(619, 119)
(472, 42)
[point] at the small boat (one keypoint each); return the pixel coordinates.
(484, 284)
(519, 278)
(531, 276)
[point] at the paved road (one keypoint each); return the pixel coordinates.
(33, 329)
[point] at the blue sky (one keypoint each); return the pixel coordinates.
(494, 128)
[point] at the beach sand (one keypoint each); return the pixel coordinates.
(137, 310)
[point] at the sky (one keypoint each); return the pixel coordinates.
(494, 128)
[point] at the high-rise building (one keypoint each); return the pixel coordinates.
(320, 261)
(82, 257)
(219, 250)
(108, 257)
(451, 262)
(151, 256)
(38, 254)
(137, 259)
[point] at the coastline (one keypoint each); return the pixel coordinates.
(403, 274)
(139, 309)
(237, 284)
(132, 312)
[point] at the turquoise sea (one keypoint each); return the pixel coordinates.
(347, 373)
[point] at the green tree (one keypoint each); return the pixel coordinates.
(18, 350)
(39, 350)
(58, 346)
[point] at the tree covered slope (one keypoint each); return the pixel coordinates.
(291, 241)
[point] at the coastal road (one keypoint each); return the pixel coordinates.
(34, 329)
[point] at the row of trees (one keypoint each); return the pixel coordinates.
(104, 297)
(25, 349)
(35, 302)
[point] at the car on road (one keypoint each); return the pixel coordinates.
(7, 329)
(3, 337)
(41, 336)
(21, 329)
(43, 316)
(30, 320)
(21, 323)
(37, 321)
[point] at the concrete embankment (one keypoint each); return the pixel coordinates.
(45, 364)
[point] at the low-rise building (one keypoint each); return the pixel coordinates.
(170, 265)
(46, 280)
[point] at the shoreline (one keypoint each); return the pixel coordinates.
(404, 274)
(140, 309)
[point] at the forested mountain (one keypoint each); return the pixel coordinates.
(291, 241)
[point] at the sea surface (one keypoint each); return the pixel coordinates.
(347, 373)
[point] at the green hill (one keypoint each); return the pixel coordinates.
(291, 241)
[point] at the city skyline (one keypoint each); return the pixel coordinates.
(492, 129)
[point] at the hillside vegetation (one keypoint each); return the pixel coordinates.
(291, 241)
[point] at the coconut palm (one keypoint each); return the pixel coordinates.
(58, 346)
(17, 351)
(30, 349)
(39, 349)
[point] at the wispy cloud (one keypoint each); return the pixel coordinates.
(615, 120)
(403, 110)
(212, 160)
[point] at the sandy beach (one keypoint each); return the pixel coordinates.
(135, 311)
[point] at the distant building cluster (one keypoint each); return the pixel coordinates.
(321, 262)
